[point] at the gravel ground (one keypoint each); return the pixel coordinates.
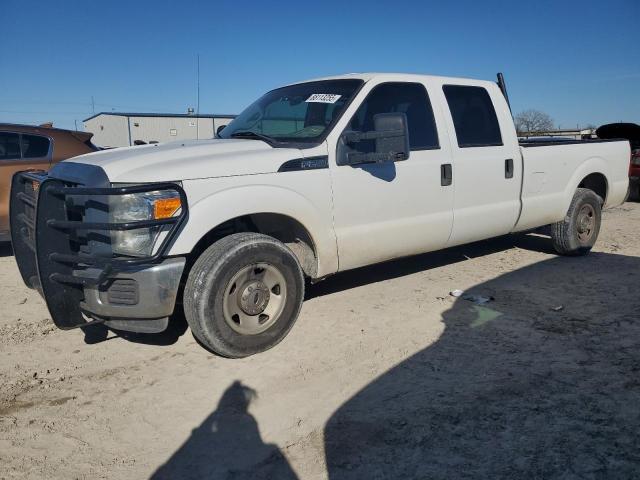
(385, 375)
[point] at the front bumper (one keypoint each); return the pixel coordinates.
(61, 241)
(139, 298)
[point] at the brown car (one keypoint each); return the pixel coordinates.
(24, 147)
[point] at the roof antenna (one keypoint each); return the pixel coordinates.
(503, 88)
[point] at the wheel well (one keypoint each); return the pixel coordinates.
(286, 229)
(596, 182)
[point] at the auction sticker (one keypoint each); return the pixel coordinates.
(323, 98)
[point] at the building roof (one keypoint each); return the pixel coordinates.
(171, 115)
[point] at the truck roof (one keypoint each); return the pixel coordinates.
(366, 76)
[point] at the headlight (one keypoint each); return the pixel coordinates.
(134, 207)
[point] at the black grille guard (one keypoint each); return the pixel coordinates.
(42, 240)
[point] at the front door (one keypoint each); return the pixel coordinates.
(389, 210)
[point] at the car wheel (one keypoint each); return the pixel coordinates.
(578, 231)
(243, 294)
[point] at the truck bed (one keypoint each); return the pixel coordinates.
(553, 170)
(532, 142)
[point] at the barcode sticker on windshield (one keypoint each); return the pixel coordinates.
(323, 98)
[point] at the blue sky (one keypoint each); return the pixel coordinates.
(579, 61)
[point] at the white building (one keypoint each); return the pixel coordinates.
(117, 129)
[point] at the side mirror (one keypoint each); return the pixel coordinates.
(219, 129)
(390, 137)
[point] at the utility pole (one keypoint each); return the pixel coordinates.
(93, 105)
(198, 100)
(76, 124)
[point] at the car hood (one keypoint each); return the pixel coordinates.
(188, 160)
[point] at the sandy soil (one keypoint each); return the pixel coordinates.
(385, 375)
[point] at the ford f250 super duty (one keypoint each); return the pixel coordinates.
(312, 179)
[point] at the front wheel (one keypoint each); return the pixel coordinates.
(578, 231)
(243, 294)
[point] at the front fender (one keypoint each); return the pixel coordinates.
(311, 209)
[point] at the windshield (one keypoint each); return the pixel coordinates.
(301, 113)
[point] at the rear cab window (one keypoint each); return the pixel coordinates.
(474, 116)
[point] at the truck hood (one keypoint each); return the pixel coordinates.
(187, 160)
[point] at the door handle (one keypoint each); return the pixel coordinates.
(446, 175)
(508, 168)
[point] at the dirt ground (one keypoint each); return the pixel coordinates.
(385, 375)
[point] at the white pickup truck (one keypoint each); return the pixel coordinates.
(312, 179)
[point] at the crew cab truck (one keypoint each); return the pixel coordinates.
(312, 179)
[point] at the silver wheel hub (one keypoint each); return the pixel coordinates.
(586, 223)
(254, 298)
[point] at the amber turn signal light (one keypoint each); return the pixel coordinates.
(165, 207)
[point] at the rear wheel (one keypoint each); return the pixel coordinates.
(578, 231)
(243, 294)
(633, 193)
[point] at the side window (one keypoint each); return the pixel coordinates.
(9, 146)
(408, 98)
(34, 146)
(474, 117)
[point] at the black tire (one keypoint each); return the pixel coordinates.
(208, 290)
(578, 231)
(633, 193)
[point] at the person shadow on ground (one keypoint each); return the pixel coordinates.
(227, 445)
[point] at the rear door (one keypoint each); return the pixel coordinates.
(19, 151)
(487, 164)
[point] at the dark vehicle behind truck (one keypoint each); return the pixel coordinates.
(631, 132)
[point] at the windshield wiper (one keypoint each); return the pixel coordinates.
(252, 135)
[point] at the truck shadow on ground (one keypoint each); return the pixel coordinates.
(99, 333)
(342, 281)
(418, 263)
(6, 250)
(516, 388)
(227, 445)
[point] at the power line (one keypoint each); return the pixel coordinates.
(44, 102)
(88, 105)
(43, 112)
